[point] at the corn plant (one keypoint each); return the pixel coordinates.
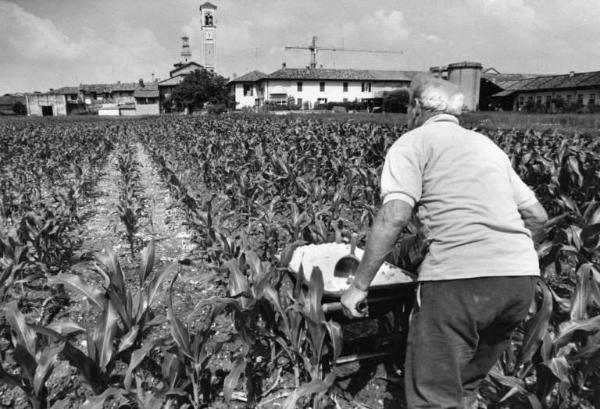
(133, 309)
(288, 329)
(130, 206)
(35, 355)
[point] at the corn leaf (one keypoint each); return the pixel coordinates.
(536, 327)
(65, 327)
(98, 401)
(104, 335)
(147, 262)
(308, 389)
(178, 331)
(568, 330)
(45, 364)
(233, 377)
(137, 357)
(25, 336)
(157, 281)
(109, 260)
(75, 283)
(128, 339)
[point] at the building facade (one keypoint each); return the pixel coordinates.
(552, 93)
(310, 87)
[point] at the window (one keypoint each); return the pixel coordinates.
(365, 87)
(548, 100)
(321, 100)
(345, 86)
(569, 97)
(592, 99)
(345, 100)
(247, 90)
(299, 102)
(521, 100)
(580, 99)
(299, 86)
(322, 86)
(538, 100)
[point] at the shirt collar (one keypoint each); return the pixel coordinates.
(442, 118)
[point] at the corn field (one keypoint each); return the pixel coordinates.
(252, 189)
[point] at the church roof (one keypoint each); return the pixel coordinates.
(172, 73)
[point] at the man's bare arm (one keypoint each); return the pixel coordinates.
(535, 217)
(388, 224)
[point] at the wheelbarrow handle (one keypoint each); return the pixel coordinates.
(337, 306)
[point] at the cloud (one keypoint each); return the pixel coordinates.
(117, 52)
(34, 37)
(511, 10)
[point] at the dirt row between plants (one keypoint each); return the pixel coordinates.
(161, 221)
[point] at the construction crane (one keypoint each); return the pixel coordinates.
(314, 49)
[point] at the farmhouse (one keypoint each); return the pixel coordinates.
(551, 92)
(309, 87)
(105, 99)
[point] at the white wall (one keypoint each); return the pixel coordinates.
(147, 109)
(244, 101)
(36, 101)
(334, 90)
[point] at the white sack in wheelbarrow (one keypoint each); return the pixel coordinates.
(326, 255)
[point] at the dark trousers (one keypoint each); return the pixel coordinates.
(457, 332)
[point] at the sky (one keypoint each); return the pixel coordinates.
(52, 43)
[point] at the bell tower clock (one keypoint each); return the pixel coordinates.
(209, 41)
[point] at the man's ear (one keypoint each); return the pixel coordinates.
(417, 107)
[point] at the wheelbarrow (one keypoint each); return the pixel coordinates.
(391, 295)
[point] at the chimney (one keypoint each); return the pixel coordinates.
(571, 74)
(141, 82)
(283, 64)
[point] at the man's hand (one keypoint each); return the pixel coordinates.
(351, 300)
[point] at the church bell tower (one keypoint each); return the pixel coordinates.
(209, 38)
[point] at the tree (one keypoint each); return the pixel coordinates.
(199, 87)
(19, 109)
(396, 100)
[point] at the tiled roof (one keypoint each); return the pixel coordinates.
(341, 74)
(124, 86)
(171, 82)
(147, 91)
(66, 90)
(250, 77)
(551, 82)
(108, 88)
(506, 80)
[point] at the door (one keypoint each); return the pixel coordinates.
(47, 110)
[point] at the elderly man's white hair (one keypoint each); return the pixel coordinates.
(436, 94)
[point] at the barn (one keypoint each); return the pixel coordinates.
(552, 93)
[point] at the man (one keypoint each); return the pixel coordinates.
(477, 280)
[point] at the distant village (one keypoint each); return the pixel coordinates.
(311, 87)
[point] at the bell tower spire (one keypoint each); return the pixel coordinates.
(186, 54)
(209, 38)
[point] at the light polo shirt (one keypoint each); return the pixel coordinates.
(468, 199)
